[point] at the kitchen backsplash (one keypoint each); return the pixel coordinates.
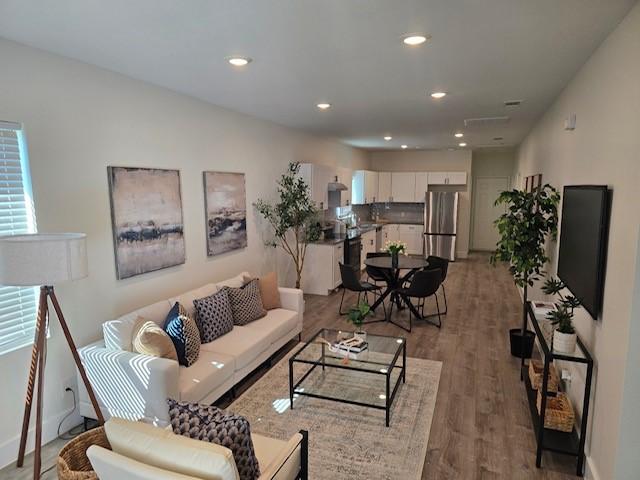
(389, 212)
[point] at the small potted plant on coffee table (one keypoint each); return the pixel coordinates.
(564, 334)
(395, 247)
(356, 316)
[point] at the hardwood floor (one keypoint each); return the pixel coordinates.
(481, 427)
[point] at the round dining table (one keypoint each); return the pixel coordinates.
(395, 280)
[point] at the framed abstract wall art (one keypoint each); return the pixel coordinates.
(146, 219)
(226, 211)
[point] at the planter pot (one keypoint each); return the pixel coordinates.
(361, 334)
(394, 259)
(518, 343)
(564, 342)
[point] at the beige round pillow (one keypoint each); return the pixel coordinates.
(150, 339)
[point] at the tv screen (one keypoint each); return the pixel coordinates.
(583, 238)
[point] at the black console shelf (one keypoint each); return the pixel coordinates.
(548, 439)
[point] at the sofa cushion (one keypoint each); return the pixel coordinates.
(241, 343)
(270, 450)
(187, 298)
(246, 303)
(208, 373)
(150, 339)
(277, 323)
(211, 424)
(215, 317)
(164, 449)
(268, 290)
(183, 331)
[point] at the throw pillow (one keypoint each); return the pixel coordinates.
(269, 293)
(246, 303)
(184, 334)
(211, 424)
(214, 315)
(150, 339)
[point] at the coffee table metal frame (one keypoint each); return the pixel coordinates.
(389, 367)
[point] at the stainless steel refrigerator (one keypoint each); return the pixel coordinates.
(440, 224)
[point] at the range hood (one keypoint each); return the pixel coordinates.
(336, 186)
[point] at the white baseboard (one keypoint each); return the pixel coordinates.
(9, 449)
(590, 473)
(462, 254)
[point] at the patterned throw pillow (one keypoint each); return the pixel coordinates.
(150, 339)
(246, 303)
(184, 334)
(214, 315)
(211, 424)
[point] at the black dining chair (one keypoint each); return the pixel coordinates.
(424, 284)
(443, 265)
(376, 274)
(351, 282)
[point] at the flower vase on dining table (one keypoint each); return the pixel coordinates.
(394, 259)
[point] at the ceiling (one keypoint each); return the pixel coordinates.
(345, 52)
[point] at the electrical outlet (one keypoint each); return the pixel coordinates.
(69, 385)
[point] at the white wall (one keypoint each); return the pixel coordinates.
(79, 119)
(605, 96)
(434, 161)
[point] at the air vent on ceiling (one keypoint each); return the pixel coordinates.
(485, 121)
(497, 139)
(512, 103)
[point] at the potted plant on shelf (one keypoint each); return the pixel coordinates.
(530, 218)
(356, 316)
(395, 247)
(294, 217)
(564, 335)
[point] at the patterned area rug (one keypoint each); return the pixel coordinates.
(347, 441)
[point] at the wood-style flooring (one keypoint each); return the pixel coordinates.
(481, 426)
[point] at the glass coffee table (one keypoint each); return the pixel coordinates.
(370, 378)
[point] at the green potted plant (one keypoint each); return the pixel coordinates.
(394, 247)
(356, 316)
(564, 335)
(530, 218)
(294, 217)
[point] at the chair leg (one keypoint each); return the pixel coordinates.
(341, 301)
(444, 292)
(439, 324)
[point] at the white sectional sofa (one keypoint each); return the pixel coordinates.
(133, 386)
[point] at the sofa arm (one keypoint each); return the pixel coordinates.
(292, 462)
(292, 299)
(129, 385)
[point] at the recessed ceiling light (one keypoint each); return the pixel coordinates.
(239, 61)
(415, 39)
(403, 146)
(462, 144)
(439, 94)
(323, 106)
(388, 137)
(459, 135)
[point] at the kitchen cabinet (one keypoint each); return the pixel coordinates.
(368, 246)
(403, 185)
(447, 178)
(321, 271)
(345, 177)
(364, 187)
(384, 186)
(421, 187)
(318, 178)
(412, 236)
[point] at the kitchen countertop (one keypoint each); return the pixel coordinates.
(365, 228)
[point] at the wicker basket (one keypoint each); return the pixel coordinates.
(559, 412)
(73, 463)
(536, 368)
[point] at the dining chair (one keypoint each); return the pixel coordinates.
(374, 273)
(424, 284)
(443, 265)
(351, 282)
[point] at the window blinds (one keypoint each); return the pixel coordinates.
(18, 305)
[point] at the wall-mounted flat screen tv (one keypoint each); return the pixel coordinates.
(583, 243)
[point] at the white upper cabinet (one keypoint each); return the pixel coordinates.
(403, 185)
(447, 178)
(318, 178)
(364, 187)
(384, 186)
(421, 186)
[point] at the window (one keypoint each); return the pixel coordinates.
(18, 305)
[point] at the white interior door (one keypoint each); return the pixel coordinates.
(485, 192)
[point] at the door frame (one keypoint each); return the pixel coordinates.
(473, 206)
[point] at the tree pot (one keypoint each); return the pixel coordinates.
(564, 342)
(517, 343)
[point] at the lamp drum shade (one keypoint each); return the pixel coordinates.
(42, 258)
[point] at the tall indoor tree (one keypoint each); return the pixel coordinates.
(293, 218)
(530, 218)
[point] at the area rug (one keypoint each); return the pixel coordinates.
(348, 441)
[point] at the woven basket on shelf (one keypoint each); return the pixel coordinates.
(536, 368)
(559, 412)
(73, 463)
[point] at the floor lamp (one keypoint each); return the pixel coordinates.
(45, 260)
